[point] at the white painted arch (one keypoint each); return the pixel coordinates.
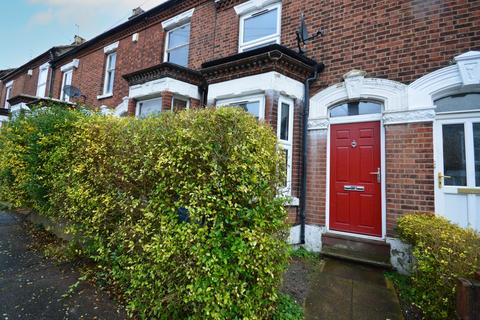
(402, 103)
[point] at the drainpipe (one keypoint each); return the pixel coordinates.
(303, 187)
(52, 77)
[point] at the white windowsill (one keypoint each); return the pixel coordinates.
(104, 96)
(294, 202)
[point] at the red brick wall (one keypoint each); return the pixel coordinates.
(316, 177)
(410, 172)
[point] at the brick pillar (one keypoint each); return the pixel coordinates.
(132, 107)
(167, 101)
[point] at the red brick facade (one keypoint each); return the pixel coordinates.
(409, 163)
(395, 40)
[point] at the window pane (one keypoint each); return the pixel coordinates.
(260, 26)
(179, 36)
(110, 76)
(178, 104)
(252, 107)
(458, 102)
(285, 121)
(285, 155)
(368, 107)
(356, 108)
(179, 56)
(476, 143)
(454, 163)
(112, 58)
(150, 107)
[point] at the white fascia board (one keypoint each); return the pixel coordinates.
(155, 87)
(253, 5)
(72, 65)
(178, 19)
(110, 48)
(256, 84)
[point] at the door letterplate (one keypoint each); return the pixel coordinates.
(354, 188)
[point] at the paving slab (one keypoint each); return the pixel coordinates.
(32, 287)
(345, 290)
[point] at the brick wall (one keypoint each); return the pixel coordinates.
(316, 177)
(410, 175)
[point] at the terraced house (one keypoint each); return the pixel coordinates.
(379, 114)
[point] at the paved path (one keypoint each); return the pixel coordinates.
(32, 287)
(343, 290)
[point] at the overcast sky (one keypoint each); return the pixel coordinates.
(30, 27)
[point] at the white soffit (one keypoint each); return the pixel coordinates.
(255, 84)
(178, 20)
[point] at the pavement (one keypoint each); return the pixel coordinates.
(32, 287)
(344, 290)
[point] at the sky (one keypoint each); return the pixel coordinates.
(30, 27)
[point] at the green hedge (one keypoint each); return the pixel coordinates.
(180, 210)
(443, 252)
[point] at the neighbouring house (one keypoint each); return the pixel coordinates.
(378, 117)
(30, 82)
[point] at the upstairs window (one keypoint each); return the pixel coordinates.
(42, 80)
(109, 73)
(177, 45)
(260, 28)
(66, 81)
(8, 94)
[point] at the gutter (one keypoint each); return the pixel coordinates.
(306, 110)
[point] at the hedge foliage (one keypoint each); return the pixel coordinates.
(443, 252)
(180, 210)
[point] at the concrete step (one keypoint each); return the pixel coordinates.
(372, 252)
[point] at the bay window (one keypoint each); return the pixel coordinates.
(285, 139)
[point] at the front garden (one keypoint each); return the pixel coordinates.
(179, 210)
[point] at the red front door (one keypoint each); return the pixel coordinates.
(355, 193)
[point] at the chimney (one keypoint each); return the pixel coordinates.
(136, 12)
(77, 40)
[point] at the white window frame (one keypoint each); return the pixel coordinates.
(244, 46)
(42, 86)
(108, 69)
(286, 144)
(182, 98)
(251, 98)
(8, 93)
(63, 95)
(137, 109)
(167, 36)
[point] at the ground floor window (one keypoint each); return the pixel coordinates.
(179, 103)
(149, 107)
(252, 104)
(285, 138)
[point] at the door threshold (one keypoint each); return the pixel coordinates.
(356, 235)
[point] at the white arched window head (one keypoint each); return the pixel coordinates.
(460, 77)
(356, 87)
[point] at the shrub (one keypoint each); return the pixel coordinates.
(179, 209)
(443, 252)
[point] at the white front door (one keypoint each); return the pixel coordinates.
(457, 168)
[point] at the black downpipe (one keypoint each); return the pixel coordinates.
(306, 109)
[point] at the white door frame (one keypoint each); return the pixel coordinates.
(356, 119)
(455, 118)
